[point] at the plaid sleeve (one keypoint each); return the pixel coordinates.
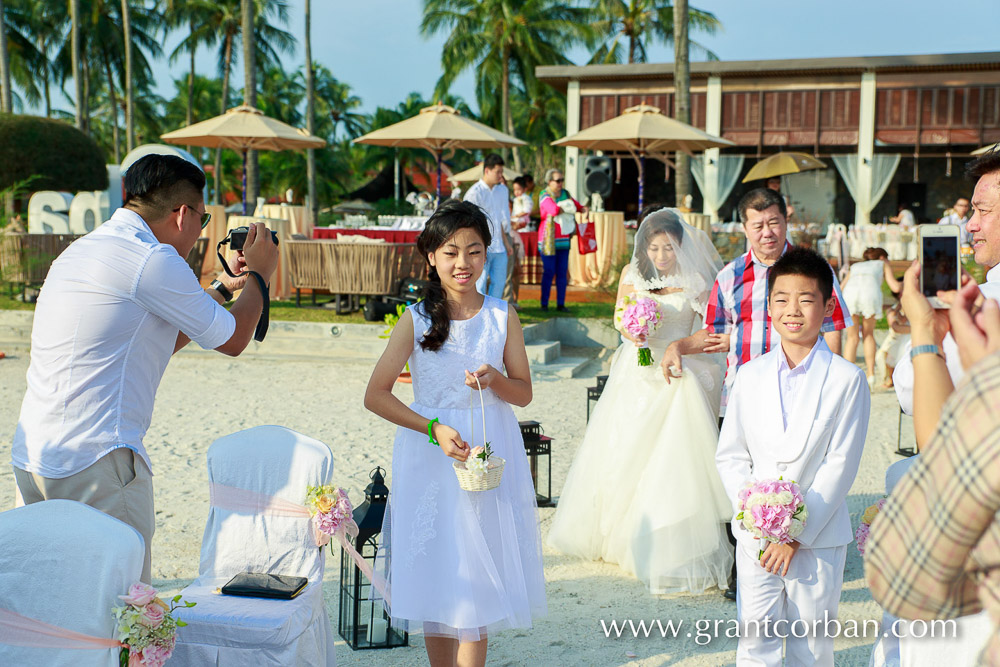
(717, 317)
(841, 318)
(920, 560)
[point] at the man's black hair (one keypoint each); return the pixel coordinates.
(804, 262)
(153, 180)
(761, 199)
(492, 160)
(986, 163)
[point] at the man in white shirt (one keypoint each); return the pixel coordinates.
(114, 307)
(490, 194)
(984, 231)
(959, 216)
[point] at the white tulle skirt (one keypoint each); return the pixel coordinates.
(461, 564)
(643, 490)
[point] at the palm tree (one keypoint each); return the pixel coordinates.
(249, 94)
(220, 23)
(20, 58)
(6, 104)
(339, 104)
(77, 61)
(504, 40)
(682, 96)
(310, 115)
(638, 22)
(129, 87)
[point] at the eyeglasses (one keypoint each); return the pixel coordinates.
(558, 180)
(205, 217)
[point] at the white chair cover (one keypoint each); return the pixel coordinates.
(224, 630)
(65, 563)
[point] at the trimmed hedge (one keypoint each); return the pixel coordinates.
(64, 158)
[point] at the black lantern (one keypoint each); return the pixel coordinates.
(594, 393)
(537, 445)
(363, 623)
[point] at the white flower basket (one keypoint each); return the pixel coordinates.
(468, 480)
(471, 482)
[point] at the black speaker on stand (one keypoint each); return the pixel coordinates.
(597, 177)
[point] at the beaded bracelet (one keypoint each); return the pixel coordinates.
(430, 431)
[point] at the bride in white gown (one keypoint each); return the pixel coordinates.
(643, 490)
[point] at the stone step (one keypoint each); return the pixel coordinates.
(543, 351)
(563, 367)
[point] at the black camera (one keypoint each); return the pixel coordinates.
(237, 238)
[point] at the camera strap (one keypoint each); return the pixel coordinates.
(222, 260)
(265, 312)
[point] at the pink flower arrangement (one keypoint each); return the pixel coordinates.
(146, 626)
(638, 316)
(861, 534)
(331, 508)
(773, 510)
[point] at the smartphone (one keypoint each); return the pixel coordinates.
(940, 268)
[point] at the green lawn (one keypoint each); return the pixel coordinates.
(286, 311)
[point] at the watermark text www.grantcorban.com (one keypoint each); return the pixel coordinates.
(703, 631)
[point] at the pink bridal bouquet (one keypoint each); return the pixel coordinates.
(638, 316)
(146, 626)
(773, 510)
(331, 509)
(861, 534)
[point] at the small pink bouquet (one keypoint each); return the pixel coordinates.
(331, 509)
(773, 510)
(638, 316)
(146, 626)
(861, 534)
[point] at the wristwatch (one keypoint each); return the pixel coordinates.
(926, 349)
(217, 285)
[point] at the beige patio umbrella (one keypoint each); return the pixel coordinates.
(781, 164)
(244, 128)
(985, 149)
(438, 128)
(476, 173)
(642, 130)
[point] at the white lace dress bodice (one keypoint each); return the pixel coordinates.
(679, 318)
(439, 377)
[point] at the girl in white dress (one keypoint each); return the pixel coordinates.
(643, 490)
(458, 564)
(862, 291)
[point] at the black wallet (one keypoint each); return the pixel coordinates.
(259, 585)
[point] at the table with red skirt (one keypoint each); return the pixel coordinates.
(592, 270)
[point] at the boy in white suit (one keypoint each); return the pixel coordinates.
(801, 413)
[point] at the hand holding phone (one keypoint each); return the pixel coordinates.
(940, 268)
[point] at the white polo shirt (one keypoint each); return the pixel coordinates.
(105, 327)
(495, 203)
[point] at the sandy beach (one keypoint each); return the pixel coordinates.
(204, 397)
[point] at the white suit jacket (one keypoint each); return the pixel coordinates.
(820, 450)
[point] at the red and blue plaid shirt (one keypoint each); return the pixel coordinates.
(739, 301)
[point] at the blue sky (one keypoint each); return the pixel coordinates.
(376, 47)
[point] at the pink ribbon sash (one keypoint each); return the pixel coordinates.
(235, 499)
(18, 630)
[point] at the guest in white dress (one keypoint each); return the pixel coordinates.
(458, 564)
(643, 490)
(863, 295)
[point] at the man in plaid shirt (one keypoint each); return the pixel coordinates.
(736, 319)
(934, 549)
(738, 304)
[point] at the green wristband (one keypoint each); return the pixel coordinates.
(430, 431)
